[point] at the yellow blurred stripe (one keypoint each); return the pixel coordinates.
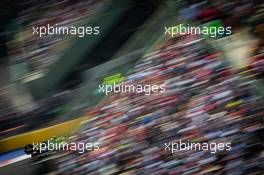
(19, 141)
(234, 103)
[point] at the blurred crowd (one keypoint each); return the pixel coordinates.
(38, 52)
(238, 14)
(203, 102)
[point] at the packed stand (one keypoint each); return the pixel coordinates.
(204, 101)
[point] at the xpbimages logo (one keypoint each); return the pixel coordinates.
(130, 88)
(65, 30)
(80, 147)
(187, 29)
(204, 146)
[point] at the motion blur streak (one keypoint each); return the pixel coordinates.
(194, 71)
